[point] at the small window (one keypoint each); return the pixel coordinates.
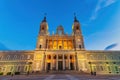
(119, 57)
(77, 27)
(40, 46)
(105, 58)
(49, 57)
(18, 68)
(80, 46)
(1, 57)
(109, 68)
(54, 57)
(42, 28)
(26, 68)
(11, 69)
(22, 57)
(116, 68)
(15, 57)
(70, 56)
(65, 56)
(60, 47)
(28, 57)
(101, 67)
(60, 57)
(8, 57)
(111, 57)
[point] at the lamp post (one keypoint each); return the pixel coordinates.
(91, 68)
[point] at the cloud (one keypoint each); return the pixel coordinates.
(100, 5)
(114, 46)
(111, 46)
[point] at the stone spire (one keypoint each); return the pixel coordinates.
(75, 18)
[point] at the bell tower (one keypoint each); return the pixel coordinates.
(43, 27)
(43, 32)
(78, 38)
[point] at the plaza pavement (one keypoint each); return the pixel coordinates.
(60, 77)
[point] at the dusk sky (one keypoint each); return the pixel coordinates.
(20, 21)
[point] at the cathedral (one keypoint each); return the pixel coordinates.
(60, 52)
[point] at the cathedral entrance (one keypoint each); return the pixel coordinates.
(48, 66)
(71, 66)
(60, 65)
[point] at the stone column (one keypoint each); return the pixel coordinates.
(62, 44)
(52, 43)
(63, 63)
(57, 43)
(51, 62)
(45, 62)
(67, 43)
(48, 44)
(72, 44)
(75, 62)
(69, 61)
(56, 61)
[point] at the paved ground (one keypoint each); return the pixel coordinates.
(60, 77)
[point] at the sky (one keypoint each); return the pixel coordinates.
(20, 22)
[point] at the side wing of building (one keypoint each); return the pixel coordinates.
(101, 62)
(20, 61)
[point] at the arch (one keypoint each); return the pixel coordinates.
(22, 57)
(49, 56)
(40, 46)
(8, 57)
(15, 56)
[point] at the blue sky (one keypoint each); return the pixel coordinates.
(20, 21)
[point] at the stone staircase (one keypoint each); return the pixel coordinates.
(66, 72)
(62, 72)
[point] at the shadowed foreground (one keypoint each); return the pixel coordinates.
(60, 77)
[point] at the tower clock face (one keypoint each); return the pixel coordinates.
(41, 40)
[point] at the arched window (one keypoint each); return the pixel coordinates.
(116, 68)
(18, 69)
(91, 57)
(101, 67)
(59, 56)
(54, 57)
(109, 68)
(28, 56)
(40, 46)
(70, 56)
(77, 27)
(99, 57)
(49, 57)
(22, 57)
(80, 46)
(65, 57)
(15, 57)
(111, 57)
(1, 57)
(11, 69)
(119, 57)
(42, 28)
(105, 57)
(8, 57)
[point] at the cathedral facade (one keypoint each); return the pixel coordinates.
(60, 52)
